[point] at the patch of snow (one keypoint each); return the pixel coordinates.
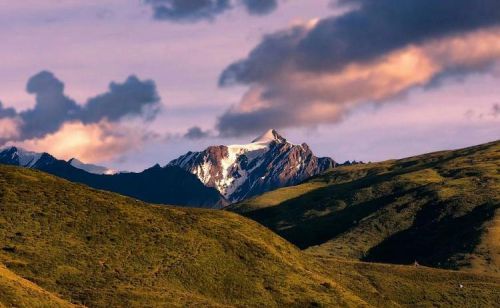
(94, 169)
(26, 158)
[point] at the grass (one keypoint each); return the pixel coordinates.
(383, 285)
(65, 244)
(18, 292)
(440, 209)
(100, 249)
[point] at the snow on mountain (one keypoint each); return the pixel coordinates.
(20, 157)
(242, 171)
(90, 168)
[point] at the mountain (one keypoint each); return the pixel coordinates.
(90, 168)
(239, 172)
(20, 157)
(64, 244)
(441, 209)
(169, 185)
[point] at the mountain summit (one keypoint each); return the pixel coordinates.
(270, 136)
(239, 172)
(20, 157)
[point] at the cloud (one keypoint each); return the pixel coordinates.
(93, 143)
(9, 129)
(195, 133)
(495, 110)
(319, 71)
(196, 10)
(52, 107)
(7, 112)
(260, 7)
(133, 98)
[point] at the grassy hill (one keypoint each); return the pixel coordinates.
(64, 243)
(18, 292)
(441, 209)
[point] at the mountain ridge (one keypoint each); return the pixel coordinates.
(242, 171)
(441, 209)
(170, 185)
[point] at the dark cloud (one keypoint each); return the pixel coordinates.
(495, 110)
(195, 133)
(7, 112)
(260, 7)
(378, 27)
(235, 124)
(286, 64)
(368, 32)
(196, 10)
(53, 108)
(133, 97)
(188, 10)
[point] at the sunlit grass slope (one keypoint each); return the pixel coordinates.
(18, 292)
(64, 243)
(384, 285)
(441, 209)
(103, 250)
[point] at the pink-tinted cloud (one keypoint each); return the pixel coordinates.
(9, 128)
(92, 143)
(292, 96)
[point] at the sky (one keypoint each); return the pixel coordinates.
(132, 83)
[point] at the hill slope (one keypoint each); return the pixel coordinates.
(104, 250)
(18, 292)
(100, 249)
(168, 185)
(441, 209)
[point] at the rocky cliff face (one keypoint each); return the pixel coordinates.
(239, 172)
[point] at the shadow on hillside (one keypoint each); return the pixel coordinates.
(334, 209)
(423, 241)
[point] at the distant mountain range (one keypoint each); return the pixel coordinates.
(213, 178)
(20, 157)
(239, 172)
(169, 185)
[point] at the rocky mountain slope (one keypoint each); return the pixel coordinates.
(64, 244)
(170, 185)
(441, 209)
(19, 157)
(239, 172)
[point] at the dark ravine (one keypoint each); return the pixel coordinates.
(240, 172)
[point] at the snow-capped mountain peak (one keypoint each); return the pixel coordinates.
(241, 171)
(270, 136)
(19, 157)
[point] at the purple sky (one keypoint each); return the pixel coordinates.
(88, 44)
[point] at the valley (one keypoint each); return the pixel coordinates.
(66, 244)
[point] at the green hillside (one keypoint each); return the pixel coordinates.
(441, 209)
(100, 249)
(18, 292)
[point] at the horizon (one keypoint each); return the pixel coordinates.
(127, 86)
